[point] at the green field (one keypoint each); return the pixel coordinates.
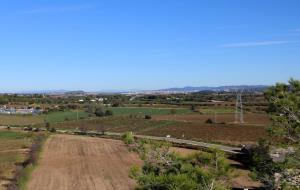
(54, 117)
(64, 116)
(116, 124)
(216, 110)
(148, 111)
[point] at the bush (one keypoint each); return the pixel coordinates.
(134, 171)
(148, 117)
(167, 171)
(173, 111)
(193, 108)
(47, 125)
(209, 121)
(261, 164)
(116, 104)
(99, 112)
(128, 138)
(108, 113)
(52, 130)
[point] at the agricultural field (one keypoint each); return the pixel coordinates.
(148, 111)
(77, 162)
(180, 126)
(20, 119)
(216, 110)
(115, 124)
(227, 118)
(55, 117)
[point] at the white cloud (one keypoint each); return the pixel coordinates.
(257, 43)
(59, 9)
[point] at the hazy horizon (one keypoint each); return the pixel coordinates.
(113, 45)
(126, 90)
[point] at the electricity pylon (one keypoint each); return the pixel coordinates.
(239, 114)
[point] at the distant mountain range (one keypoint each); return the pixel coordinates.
(217, 89)
(187, 89)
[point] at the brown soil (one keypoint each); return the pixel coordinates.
(74, 162)
(227, 134)
(250, 118)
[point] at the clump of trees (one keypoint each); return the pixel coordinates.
(148, 117)
(284, 108)
(164, 169)
(99, 111)
(209, 121)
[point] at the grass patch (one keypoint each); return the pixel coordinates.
(20, 120)
(55, 117)
(148, 111)
(216, 110)
(32, 161)
(26, 172)
(115, 124)
(5, 135)
(17, 149)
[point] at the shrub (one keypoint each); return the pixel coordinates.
(99, 112)
(134, 171)
(47, 125)
(165, 170)
(209, 121)
(193, 108)
(108, 113)
(116, 104)
(261, 164)
(128, 138)
(173, 111)
(148, 117)
(52, 130)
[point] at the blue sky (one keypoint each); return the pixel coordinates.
(147, 44)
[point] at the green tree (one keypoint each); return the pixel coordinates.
(99, 112)
(284, 106)
(108, 113)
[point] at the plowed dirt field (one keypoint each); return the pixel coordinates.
(84, 163)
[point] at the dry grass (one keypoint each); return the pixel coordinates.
(13, 149)
(20, 119)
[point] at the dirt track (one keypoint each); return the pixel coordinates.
(74, 162)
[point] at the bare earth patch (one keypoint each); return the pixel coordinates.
(76, 162)
(250, 118)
